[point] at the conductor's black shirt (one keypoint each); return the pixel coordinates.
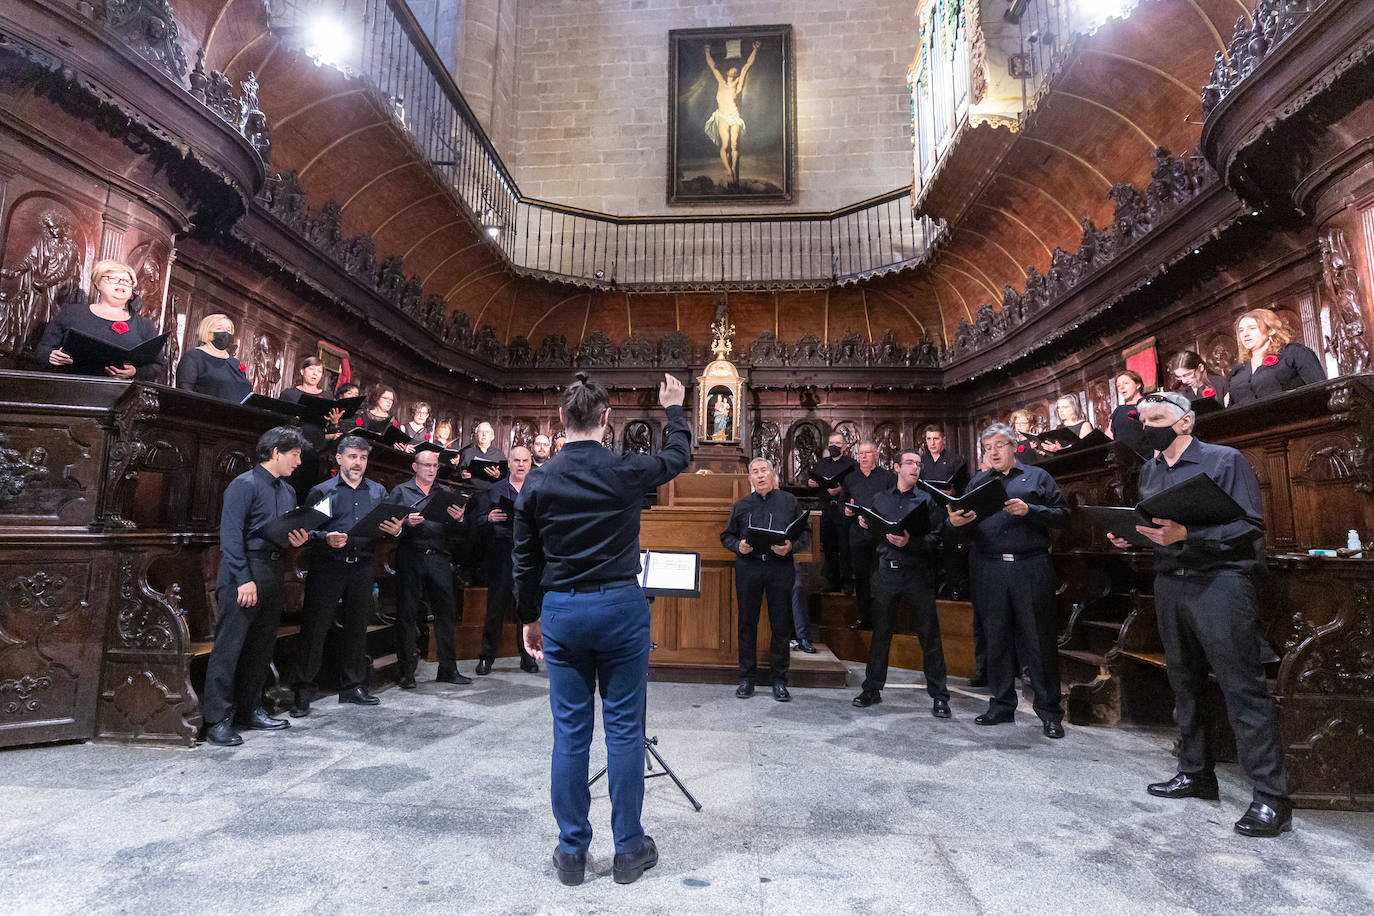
(777, 510)
(578, 514)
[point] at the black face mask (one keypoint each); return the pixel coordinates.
(834, 451)
(222, 340)
(1160, 437)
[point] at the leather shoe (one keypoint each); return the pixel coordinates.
(359, 697)
(780, 692)
(1263, 821)
(806, 646)
(1054, 729)
(940, 709)
(300, 706)
(572, 867)
(259, 720)
(406, 681)
(627, 868)
(484, 666)
(995, 718)
(861, 625)
(451, 677)
(529, 666)
(867, 698)
(1187, 785)
(979, 679)
(745, 690)
(223, 734)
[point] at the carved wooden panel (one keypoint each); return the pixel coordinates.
(638, 438)
(48, 474)
(265, 355)
(45, 254)
(523, 432)
(804, 442)
(888, 438)
(1218, 350)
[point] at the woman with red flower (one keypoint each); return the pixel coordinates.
(113, 318)
(1125, 426)
(1270, 362)
(1195, 382)
(1028, 450)
(210, 368)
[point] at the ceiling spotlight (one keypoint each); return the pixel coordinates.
(329, 41)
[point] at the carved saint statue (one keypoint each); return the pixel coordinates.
(51, 262)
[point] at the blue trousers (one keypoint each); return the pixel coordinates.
(589, 637)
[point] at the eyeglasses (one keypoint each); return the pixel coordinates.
(1163, 398)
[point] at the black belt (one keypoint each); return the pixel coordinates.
(273, 555)
(900, 564)
(348, 558)
(1012, 557)
(604, 586)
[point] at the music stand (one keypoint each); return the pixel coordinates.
(652, 589)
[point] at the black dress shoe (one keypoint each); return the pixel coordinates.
(300, 706)
(780, 692)
(529, 666)
(745, 690)
(806, 646)
(979, 679)
(861, 625)
(1265, 821)
(1054, 729)
(940, 709)
(259, 720)
(484, 666)
(572, 867)
(406, 681)
(866, 699)
(359, 697)
(627, 868)
(1187, 785)
(995, 718)
(451, 677)
(223, 734)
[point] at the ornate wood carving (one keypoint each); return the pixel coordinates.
(767, 442)
(888, 438)
(150, 28)
(1346, 342)
(45, 247)
(638, 439)
(804, 441)
(523, 432)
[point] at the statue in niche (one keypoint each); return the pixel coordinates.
(889, 444)
(722, 412)
(806, 449)
(1346, 341)
(51, 263)
(638, 438)
(851, 436)
(768, 443)
(1100, 401)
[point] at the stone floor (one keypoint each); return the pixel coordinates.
(436, 801)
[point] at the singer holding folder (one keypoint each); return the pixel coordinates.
(113, 318)
(576, 569)
(1206, 608)
(1014, 581)
(495, 524)
(763, 570)
(342, 568)
(249, 590)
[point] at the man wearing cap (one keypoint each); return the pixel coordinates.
(1206, 609)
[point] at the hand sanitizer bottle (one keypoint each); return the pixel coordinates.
(1352, 542)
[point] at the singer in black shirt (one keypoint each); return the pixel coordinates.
(1207, 612)
(498, 528)
(1014, 581)
(249, 590)
(834, 526)
(763, 571)
(943, 467)
(860, 487)
(577, 519)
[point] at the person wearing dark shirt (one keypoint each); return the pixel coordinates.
(543, 447)
(342, 568)
(112, 318)
(1207, 613)
(346, 423)
(763, 571)
(1125, 426)
(1028, 450)
(310, 471)
(418, 428)
(1014, 581)
(423, 572)
(249, 591)
(860, 487)
(474, 560)
(498, 527)
(1195, 381)
(210, 368)
(577, 544)
(376, 416)
(834, 526)
(1270, 362)
(942, 466)
(906, 569)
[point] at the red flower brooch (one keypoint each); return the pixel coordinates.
(243, 368)
(1134, 415)
(358, 421)
(1209, 392)
(120, 327)
(1270, 360)
(1020, 448)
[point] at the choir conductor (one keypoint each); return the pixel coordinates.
(577, 543)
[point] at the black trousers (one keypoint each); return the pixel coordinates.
(755, 579)
(500, 601)
(245, 638)
(863, 555)
(954, 561)
(835, 549)
(1016, 601)
(332, 579)
(428, 577)
(1209, 620)
(912, 581)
